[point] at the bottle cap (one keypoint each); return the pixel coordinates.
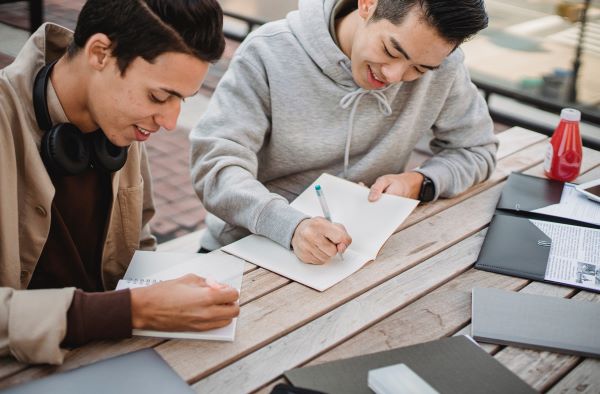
(570, 114)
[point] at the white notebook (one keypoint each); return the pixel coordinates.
(147, 268)
(369, 224)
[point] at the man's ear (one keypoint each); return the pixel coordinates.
(366, 8)
(97, 51)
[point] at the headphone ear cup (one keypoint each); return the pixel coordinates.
(107, 155)
(64, 151)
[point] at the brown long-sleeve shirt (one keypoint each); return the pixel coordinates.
(72, 258)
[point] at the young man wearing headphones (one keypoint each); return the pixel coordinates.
(76, 192)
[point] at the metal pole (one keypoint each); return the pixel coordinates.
(36, 14)
(577, 62)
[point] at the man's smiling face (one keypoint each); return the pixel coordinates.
(147, 97)
(384, 53)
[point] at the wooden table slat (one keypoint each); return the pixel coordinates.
(258, 283)
(516, 139)
(581, 380)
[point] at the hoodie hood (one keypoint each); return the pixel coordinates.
(310, 25)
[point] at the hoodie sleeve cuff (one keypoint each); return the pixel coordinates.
(278, 221)
(439, 175)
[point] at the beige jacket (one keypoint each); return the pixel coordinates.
(33, 322)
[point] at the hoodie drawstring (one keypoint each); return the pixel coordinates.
(353, 98)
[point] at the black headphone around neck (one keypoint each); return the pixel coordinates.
(65, 149)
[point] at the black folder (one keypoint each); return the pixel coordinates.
(515, 246)
(142, 371)
(527, 193)
(449, 365)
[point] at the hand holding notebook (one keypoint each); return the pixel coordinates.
(369, 224)
(207, 297)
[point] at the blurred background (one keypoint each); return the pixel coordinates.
(536, 57)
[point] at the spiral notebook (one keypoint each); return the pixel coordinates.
(148, 268)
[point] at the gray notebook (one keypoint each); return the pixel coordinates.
(453, 365)
(142, 371)
(539, 322)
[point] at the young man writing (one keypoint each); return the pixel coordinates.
(346, 87)
(76, 192)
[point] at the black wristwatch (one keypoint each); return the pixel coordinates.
(427, 192)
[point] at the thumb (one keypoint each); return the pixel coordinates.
(378, 188)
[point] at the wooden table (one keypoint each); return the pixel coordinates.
(418, 289)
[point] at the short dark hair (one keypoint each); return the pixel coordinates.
(455, 20)
(149, 28)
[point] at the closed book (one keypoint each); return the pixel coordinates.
(539, 322)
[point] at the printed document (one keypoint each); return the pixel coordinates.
(369, 224)
(148, 268)
(574, 254)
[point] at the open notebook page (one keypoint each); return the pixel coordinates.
(217, 266)
(369, 225)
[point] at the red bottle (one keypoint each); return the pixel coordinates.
(564, 154)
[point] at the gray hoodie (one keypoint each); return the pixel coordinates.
(287, 110)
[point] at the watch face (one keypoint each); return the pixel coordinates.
(427, 190)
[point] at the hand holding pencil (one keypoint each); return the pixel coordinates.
(317, 240)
